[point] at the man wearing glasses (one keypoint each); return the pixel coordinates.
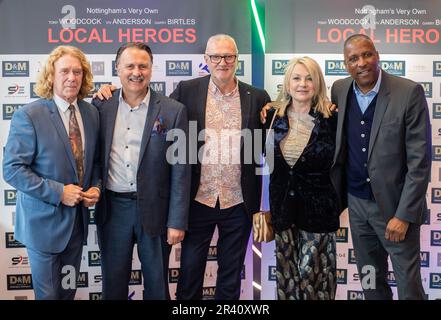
(225, 191)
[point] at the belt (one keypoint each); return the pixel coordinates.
(126, 195)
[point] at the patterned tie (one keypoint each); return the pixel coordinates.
(75, 142)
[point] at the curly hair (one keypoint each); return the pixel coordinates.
(45, 82)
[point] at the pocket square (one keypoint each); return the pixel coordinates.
(159, 127)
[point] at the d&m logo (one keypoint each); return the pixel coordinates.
(342, 235)
(135, 277)
(391, 279)
(271, 273)
(355, 295)
(83, 280)
(436, 195)
(96, 87)
(212, 253)
(335, 68)
(158, 87)
(95, 296)
(425, 259)
(173, 274)
(10, 197)
(178, 68)
(278, 67)
(15, 90)
(436, 110)
(435, 281)
(437, 68)
(240, 68)
(98, 68)
(397, 68)
(342, 276)
(208, 293)
(9, 109)
(11, 242)
(92, 216)
(15, 68)
(427, 86)
(436, 153)
(94, 258)
(32, 87)
(20, 260)
(435, 238)
(19, 281)
(351, 256)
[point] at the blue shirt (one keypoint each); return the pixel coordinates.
(365, 99)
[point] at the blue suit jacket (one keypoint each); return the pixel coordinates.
(38, 162)
(163, 189)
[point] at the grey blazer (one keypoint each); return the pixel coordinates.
(163, 190)
(399, 155)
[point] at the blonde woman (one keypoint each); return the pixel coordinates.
(303, 203)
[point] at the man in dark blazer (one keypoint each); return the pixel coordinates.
(50, 160)
(222, 195)
(381, 169)
(145, 197)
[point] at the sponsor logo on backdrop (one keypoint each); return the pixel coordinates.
(278, 67)
(95, 296)
(425, 259)
(436, 153)
(271, 273)
(438, 260)
(178, 68)
(94, 258)
(208, 293)
(97, 279)
(83, 280)
(397, 68)
(355, 295)
(19, 260)
(437, 218)
(240, 68)
(335, 68)
(436, 110)
(203, 69)
(435, 281)
(173, 274)
(19, 281)
(92, 216)
(158, 87)
(98, 68)
(10, 197)
(15, 68)
(435, 238)
(177, 254)
(9, 109)
(427, 86)
(342, 234)
(212, 253)
(96, 87)
(437, 68)
(20, 297)
(436, 195)
(342, 276)
(31, 90)
(11, 242)
(135, 277)
(351, 256)
(16, 90)
(114, 72)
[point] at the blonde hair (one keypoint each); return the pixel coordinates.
(45, 82)
(320, 101)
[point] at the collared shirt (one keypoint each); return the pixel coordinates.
(220, 168)
(365, 99)
(126, 145)
(63, 109)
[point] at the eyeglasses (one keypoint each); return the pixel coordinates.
(217, 59)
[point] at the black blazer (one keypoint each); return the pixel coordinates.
(193, 94)
(303, 195)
